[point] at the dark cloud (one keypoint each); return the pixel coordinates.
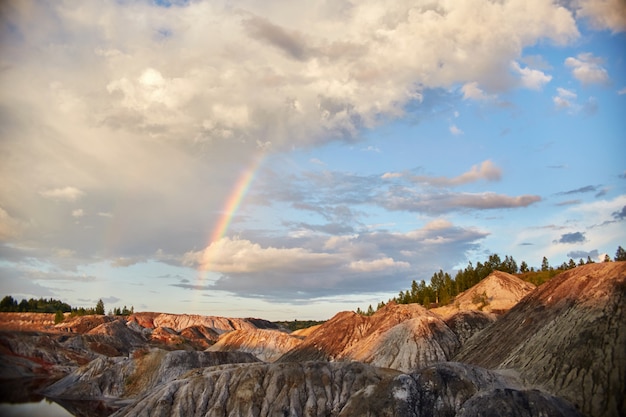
(526, 244)
(576, 237)
(620, 214)
(290, 42)
(412, 200)
(348, 264)
(578, 254)
(110, 300)
(585, 189)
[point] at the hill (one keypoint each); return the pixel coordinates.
(568, 337)
(495, 294)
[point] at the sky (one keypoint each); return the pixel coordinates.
(290, 160)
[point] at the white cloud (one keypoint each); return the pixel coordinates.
(78, 213)
(564, 98)
(472, 91)
(378, 265)
(487, 170)
(243, 256)
(531, 78)
(622, 91)
(603, 14)
(455, 130)
(587, 69)
(388, 175)
(64, 194)
(9, 226)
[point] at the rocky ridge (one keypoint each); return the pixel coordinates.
(497, 293)
(558, 352)
(567, 337)
(398, 336)
(342, 389)
(267, 345)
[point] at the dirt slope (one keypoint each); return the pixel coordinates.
(403, 337)
(267, 345)
(568, 336)
(497, 293)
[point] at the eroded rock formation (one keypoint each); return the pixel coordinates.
(124, 377)
(267, 345)
(399, 336)
(497, 293)
(568, 336)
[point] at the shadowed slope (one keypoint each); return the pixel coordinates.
(568, 337)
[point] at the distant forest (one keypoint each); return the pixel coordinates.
(443, 288)
(50, 305)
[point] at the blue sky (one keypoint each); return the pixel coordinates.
(380, 144)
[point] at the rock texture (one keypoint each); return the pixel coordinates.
(21, 322)
(179, 322)
(124, 377)
(267, 345)
(342, 389)
(286, 389)
(568, 337)
(306, 332)
(402, 337)
(466, 324)
(497, 293)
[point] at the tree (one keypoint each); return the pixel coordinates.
(620, 255)
(545, 266)
(100, 307)
(572, 264)
(523, 267)
(58, 317)
(8, 303)
(607, 258)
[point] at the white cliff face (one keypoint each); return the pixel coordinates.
(266, 345)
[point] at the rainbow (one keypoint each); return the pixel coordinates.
(230, 208)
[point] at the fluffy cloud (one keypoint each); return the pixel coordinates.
(472, 91)
(564, 98)
(347, 264)
(531, 78)
(587, 69)
(603, 14)
(146, 116)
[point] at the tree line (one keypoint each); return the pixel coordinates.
(442, 287)
(50, 305)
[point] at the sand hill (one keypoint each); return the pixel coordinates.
(267, 345)
(495, 294)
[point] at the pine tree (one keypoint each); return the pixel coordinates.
(100, 307)
(620, 255)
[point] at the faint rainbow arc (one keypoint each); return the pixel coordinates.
(229, 210)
